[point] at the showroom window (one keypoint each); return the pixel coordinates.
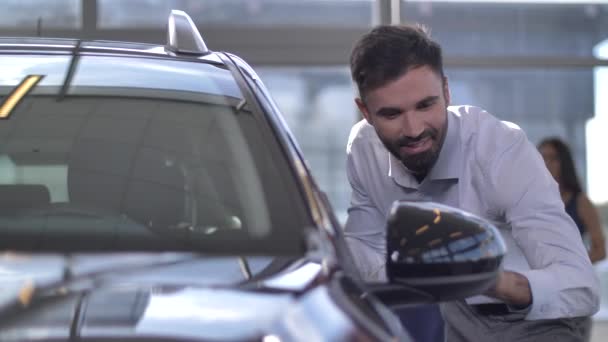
(258, 13)
(318, 105)
(35, 16)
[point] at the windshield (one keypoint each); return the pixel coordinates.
(123, 153)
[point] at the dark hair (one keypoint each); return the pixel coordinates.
(387, 52)
(568, 178)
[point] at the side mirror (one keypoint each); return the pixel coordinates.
(441, 251)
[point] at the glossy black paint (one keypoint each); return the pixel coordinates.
(441, 250)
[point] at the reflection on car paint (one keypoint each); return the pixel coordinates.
(296, 279)
(211, 313)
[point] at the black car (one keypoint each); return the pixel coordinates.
(154, 193)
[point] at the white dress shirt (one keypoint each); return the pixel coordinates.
(489, 168)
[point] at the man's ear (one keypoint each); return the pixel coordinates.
(446, 91)
(363, 108)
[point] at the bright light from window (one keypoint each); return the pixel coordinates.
(597, 164)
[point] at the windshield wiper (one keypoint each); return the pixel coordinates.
(133, 261)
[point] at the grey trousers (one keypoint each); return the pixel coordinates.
(463, 324)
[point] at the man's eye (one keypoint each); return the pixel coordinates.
(389, 115)
(425, 105)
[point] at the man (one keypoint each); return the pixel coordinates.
(412, 146)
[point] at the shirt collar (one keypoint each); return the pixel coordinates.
(447, 165)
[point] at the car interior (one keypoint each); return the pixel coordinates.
(157, 162)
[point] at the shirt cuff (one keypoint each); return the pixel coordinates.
(544, 293)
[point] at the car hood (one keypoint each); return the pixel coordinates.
(178, 301)
(214, 314)
(186, 313)
(21, 270)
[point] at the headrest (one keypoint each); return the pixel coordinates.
(23, 196)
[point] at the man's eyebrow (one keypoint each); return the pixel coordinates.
(386, 111)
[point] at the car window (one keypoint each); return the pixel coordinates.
(139, 149)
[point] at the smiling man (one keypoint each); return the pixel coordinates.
(415, 139)
(412, 145)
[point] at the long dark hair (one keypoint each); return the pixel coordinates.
(568, 178)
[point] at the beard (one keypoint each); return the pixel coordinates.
(419, 163)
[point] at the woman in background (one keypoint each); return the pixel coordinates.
(559, 161)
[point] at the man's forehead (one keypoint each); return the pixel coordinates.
(414, 86)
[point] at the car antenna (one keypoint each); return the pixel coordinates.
(183, 37)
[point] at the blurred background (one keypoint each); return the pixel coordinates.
(542, 64)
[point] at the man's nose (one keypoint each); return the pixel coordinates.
(411, 126)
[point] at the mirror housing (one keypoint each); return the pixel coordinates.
(442, 251)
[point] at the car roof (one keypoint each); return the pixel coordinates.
(68, 46)
(184, 42)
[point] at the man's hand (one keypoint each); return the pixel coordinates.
(512, 288)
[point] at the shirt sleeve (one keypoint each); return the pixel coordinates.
(561, 277)
(365, 226)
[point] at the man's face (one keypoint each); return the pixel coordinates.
(410, 116)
